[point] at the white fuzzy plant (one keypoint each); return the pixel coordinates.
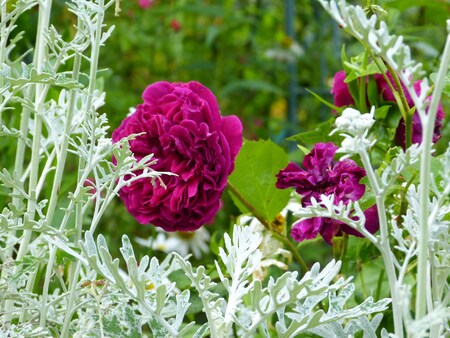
(32, 233)
(56, 280)
(145, 294)
(422, 234)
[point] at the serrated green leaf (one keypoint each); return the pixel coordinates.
(254, 177)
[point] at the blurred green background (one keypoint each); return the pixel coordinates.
(257, 56)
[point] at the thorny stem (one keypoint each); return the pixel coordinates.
(403, 104)
(398, 91)
(424, 192)
(267, 225)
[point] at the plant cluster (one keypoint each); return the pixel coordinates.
(170, 162)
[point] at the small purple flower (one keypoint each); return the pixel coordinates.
(322, 175)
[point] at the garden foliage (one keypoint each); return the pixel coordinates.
(60, 278)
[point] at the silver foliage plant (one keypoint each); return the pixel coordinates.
(246, 307)
(422, 234)
(82, 290)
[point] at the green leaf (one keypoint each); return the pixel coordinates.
(255, 176)
(373, 94)
(369, 278)
(381, 112)
(446, 89)
(321, 133)
(325, 102)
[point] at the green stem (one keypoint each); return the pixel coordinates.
(292, 249)
(267, 225)
(362, 278)
(379, 285)
(400, 98)
(424, 191)
(344, 247)
(406, 111)
(362, 85)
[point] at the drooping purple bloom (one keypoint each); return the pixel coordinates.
(188, 136)
(342, 97)
(323, 175)
(388, 95)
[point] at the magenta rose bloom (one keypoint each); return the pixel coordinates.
(188, 136)
(322, 175)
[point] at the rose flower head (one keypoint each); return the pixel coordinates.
(323, 175)
(188, 137)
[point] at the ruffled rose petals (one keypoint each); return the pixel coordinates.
(322, 175)
(188, 136)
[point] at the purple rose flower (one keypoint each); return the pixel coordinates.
(322, 175)
(187, 135)
(328, 227)
(342, 97)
